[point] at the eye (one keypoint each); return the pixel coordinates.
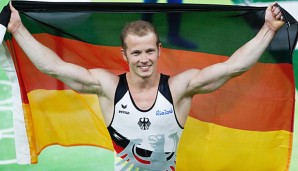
(150, 51)
(135, 53)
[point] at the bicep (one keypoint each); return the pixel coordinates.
(76, 77)
(210, 78)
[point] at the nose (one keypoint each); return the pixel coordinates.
(144, 58)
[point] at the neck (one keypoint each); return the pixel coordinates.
(140, 83)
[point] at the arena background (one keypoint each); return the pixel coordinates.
(57, 158)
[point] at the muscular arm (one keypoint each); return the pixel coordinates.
(192, 82)
(76, 77)
(212, 77)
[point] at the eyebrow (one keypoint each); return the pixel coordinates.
(135, 51)
(150, 49)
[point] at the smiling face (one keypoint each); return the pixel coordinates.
(141, 53)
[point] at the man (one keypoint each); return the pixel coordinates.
(155, 106)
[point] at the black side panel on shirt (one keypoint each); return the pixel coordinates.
(164, 88)
(122, 88)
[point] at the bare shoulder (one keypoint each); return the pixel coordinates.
(180, 82)
(107, 80)
(100, 73)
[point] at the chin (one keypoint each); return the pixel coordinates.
(145, 75)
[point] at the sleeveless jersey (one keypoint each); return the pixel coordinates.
(144, 140)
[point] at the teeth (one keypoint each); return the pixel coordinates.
(144, 67)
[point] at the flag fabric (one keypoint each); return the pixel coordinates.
(246, 124)
(291, 7)
(4, 19)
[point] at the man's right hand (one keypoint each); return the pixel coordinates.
(15, 21)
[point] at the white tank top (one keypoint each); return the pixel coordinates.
(144, 139)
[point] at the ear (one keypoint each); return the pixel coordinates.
(123, 54)
(159, 49)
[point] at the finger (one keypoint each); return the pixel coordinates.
(275, 4)
(273, 8)
(270, 7)
(277, 12)
(11, 7)
(282, 18)
(278, 16)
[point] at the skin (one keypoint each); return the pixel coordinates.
(142, 55)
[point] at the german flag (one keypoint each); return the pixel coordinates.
(4, 18)
(245, 125)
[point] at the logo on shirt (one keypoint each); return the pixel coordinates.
(144, 123)
(123, 106)
(123, 111)
(164, 112)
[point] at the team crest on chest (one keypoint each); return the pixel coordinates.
(144, 123)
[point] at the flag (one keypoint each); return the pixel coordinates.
(4, 18)
(247, 123)
(291, 7)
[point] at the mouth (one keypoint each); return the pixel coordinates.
(144, 68)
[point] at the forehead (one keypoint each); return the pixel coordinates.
(133, 40)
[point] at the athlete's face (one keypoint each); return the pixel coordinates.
(141, 54)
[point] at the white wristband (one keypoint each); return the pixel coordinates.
(2, 33)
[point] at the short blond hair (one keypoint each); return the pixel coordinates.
(139, 28)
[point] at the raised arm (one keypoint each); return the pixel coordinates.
(212, 77)
(76, 77)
